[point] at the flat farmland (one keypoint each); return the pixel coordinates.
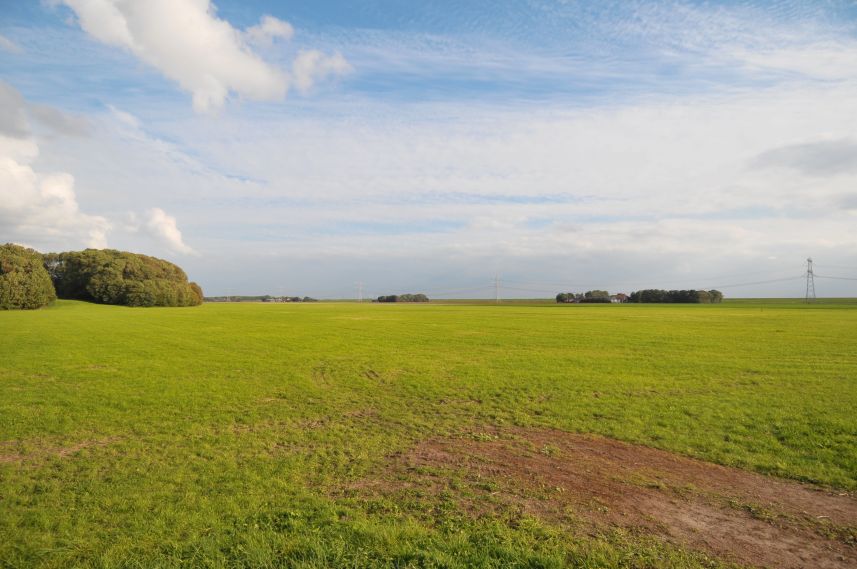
(365, 435)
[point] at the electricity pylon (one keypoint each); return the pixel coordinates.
(810, 282)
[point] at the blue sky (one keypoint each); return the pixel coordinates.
(301, 147)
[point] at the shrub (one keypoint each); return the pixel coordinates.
(24, 282)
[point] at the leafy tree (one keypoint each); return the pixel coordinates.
(596, 296)
(108, 276)
(24, 282)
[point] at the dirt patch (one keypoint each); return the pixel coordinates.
(595, 484)
(7, 455)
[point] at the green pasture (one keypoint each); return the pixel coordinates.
(227, 435)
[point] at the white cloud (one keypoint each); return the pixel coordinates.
(821, 158)
(164, 229)
(312, 66)
(16, 114)
(42, 209)
(826, 61)
(37, 208)
(205, 55)
(268, 29)
(13, 115)
(58, 121)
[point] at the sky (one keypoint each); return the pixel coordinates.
(322, 148)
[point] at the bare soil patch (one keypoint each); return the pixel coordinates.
(7, 456)
(594, 483)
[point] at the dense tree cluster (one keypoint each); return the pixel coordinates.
(403, 298)
(590, 296)
(108, 276)
(24, 282)
(596, 296)
(677, 296)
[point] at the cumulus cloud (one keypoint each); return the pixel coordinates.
(205, 55)
(37, 208)
(42, 209)
(163, 228)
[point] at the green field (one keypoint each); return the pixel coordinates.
(240, 435)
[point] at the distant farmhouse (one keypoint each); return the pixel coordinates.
(592, 297)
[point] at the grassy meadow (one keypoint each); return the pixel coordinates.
(234, 435)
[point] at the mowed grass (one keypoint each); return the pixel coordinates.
(223, 435)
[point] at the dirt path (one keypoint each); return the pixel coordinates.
(733, 514)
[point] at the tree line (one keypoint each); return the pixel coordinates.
(644, 296)
(652, 295)
(419, 297)
(29, 279)
(590, 296)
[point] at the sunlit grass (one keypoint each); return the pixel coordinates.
(217, 436)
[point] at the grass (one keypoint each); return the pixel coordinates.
(220, 436)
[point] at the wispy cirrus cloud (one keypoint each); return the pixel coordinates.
(8, 45)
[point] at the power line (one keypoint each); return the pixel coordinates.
(528, 289)
(499, 286)
(635, 284)
(736, 285)
(458, 291)
(837, 278)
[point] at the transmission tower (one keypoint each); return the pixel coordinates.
(497, 289)
(359, 292)
(810, 282)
